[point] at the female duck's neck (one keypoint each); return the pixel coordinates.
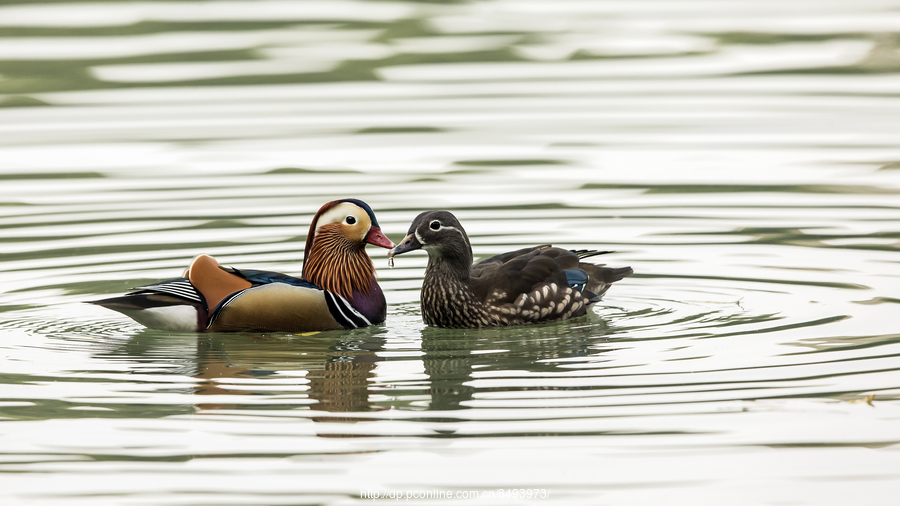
(447, 297)
(457, 269)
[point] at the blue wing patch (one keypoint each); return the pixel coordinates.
(576, 278)
(266, 277)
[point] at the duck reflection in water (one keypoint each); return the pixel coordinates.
(324, 371)
(335, 372)
(453, 359)
(337, 369)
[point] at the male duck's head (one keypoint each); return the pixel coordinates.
(440, 234)
(347, 224)
(335, 247)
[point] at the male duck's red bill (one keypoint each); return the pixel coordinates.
(337, 290)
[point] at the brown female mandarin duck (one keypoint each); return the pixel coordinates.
(338, 289)
(530, 285)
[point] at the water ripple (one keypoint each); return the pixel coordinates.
(741, 157)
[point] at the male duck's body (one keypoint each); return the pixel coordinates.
(338, 289)
(530, 285)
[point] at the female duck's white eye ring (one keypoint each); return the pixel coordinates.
(350, 220)
(435, 225)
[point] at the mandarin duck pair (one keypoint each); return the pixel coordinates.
(338, 288)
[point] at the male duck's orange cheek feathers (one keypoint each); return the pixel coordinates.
(338, 265)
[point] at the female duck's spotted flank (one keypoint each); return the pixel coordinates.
(530, 285)
(338, 289)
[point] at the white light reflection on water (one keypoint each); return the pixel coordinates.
(103, 14)
(742, 156)
(733, 60)
(88, 48)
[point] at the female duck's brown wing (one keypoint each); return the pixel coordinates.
(567, 259)
(503, 278)
(502, 258)
(542, 283)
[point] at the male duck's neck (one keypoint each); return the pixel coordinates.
(344, 271)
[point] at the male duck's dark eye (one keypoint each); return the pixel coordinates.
(350, 220)
(435, 225)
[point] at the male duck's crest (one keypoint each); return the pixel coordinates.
(338, 289)
(530, 285)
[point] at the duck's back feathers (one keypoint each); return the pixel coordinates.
(527, 269)
(257, 277)
(503, 278)
(541, 283)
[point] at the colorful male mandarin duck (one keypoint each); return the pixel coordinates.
(530, 285)
(338, 289)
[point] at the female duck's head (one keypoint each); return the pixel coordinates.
(441, 235)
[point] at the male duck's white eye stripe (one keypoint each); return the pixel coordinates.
(339, 214)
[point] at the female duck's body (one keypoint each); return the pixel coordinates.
(530, 285)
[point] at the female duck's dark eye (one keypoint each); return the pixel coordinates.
(350, 220)
(435, 225)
